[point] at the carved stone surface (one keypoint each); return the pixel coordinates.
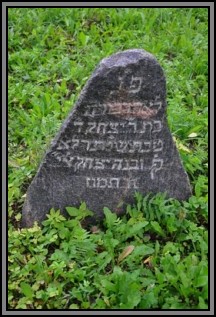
(114, 142)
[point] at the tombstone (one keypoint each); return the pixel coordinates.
(115, 142)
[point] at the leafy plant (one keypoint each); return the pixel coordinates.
(68, 266)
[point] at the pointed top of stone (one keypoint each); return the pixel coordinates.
(125, 58)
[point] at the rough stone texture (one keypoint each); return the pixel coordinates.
(114, 142)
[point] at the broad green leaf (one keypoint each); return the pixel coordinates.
(142, 250)
(155, 225)
(170, 247)
(201, 281)
(136, 228)
(26, 290)
(74, 306)
(111, 217)
(133, 299)
(82, 206)
(109, 286)
(72, 211)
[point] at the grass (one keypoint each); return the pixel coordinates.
(52, 52)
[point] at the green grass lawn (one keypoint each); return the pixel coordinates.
(154, 257)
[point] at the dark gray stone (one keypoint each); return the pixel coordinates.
(114, 142)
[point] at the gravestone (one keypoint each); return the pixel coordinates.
(115, 142)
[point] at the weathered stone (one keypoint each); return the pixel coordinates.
(114, 142)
